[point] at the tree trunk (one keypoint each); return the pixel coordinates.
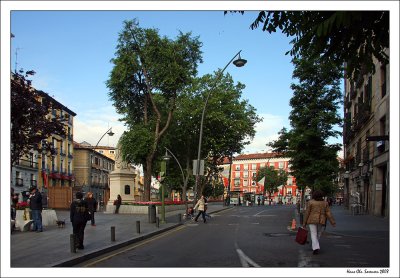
(147, 179)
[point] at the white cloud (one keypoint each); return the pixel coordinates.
(91, 125)
(266, 131)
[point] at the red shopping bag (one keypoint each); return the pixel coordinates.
(301, 236)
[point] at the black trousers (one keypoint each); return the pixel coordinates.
(203, 214)
(78, 229)
(92, 217)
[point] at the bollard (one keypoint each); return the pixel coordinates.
(72, 243)
(179, 217)
(112, 233)
(138, 227)
(158, 222)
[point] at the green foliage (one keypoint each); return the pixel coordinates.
(273, 178)
(315, 103)
(29, 117)
(149, 72)
(213, 190)
(351, 37)
(229, 122)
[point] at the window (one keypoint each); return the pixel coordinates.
(281, 164)
(290, 181)
(245, 182)
(262, 165)
(127, 190)
(237, 167)
(112, 152)
(245, 167)
(245, 174)
(254, 166)
(237, 182)
(254, 175)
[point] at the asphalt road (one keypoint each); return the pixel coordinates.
(247, 237)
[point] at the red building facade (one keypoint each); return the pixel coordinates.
(243, 171)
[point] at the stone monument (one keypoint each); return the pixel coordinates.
(122, 181)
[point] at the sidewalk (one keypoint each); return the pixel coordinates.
(52, 246)
(357, 225)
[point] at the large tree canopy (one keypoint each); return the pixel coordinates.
(148, 74)
(351, 37)
(315, 106)
(229, 124)
(30, 121)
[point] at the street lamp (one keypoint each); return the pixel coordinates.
(238, 63)
(165, 158)
(177, 161)
(109, 132)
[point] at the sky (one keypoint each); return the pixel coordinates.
(71, 51)
(70, 45)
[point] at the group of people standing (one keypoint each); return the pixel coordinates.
(81, 211)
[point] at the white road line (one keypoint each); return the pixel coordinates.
(259, 213)
(246, 261)
(255, 223)
(304, 260)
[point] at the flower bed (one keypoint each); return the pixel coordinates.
(158, 203)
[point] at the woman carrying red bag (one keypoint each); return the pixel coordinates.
(317, 213)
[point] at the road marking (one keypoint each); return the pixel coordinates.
(305, 260)
(245, 260)
(259, 212)
(233, 224)
(255, 223)
(343, 245)
(133, 247)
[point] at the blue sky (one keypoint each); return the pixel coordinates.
(71, 50)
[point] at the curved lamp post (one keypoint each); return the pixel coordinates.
(238, 63)
(109, 132)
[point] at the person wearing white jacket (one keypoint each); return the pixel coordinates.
(201, 203)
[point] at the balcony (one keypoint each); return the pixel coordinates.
(27, 163)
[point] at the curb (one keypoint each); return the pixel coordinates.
(100, 251)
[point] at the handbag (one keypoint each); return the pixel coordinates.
(301, 236)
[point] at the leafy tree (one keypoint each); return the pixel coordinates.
(314, 114)
(228, 125)
(149, 73)
(272, 179)
(351, 37)
(30, 121)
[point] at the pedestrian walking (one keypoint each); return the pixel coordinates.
(201, 205)
(316, 215)
(92, 206)
(36, 206)
(117, 203)
(258, 200)
(79, 215)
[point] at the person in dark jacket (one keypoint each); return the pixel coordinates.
(118, 202)
(92, 206)
(79, 214)
(35, 204)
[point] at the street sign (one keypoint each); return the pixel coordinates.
(201, 172)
